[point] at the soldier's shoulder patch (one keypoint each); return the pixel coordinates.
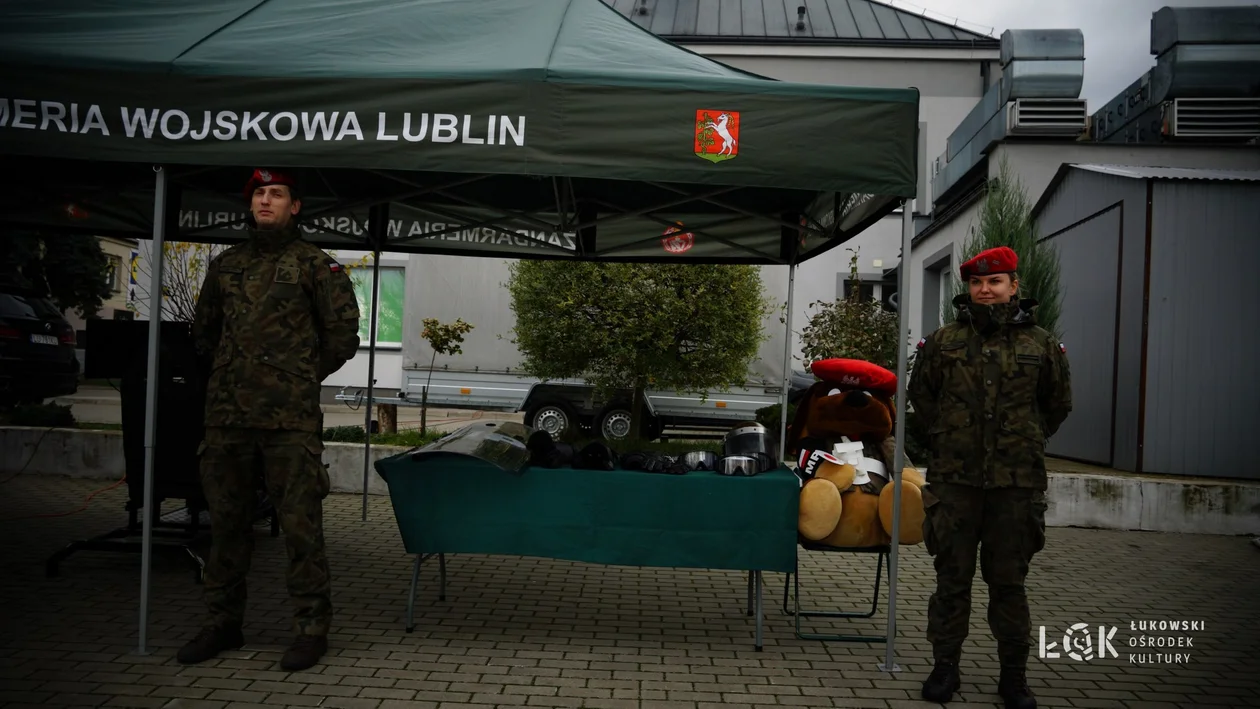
(1063, 348)
(335, 267)
(922, 342)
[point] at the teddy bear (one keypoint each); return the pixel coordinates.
(843, 434)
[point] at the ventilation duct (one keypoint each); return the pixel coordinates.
(1204, 84)
(1036, 96)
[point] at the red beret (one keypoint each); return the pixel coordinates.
(999, 260)
(856, 374)
(266, 176)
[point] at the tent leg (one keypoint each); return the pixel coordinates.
(787, 364)
(150, 413)
(899, 457)
(367, 423)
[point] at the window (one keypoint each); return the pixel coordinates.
(937, 290)
(946, 297)
(113, 274)
(389, 316)
(868, 291)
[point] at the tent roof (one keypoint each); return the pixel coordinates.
(417, 39)
(384, 99)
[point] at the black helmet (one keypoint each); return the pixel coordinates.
(748, 438)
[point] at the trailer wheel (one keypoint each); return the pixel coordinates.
(554, 416)
(615, 424)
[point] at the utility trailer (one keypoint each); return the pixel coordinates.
(487, 377)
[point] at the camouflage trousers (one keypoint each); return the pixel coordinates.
(1009, 527)
(235, 463)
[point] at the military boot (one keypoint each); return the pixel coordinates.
(1013, 688)
(942, 683)
(209, 643)
(304, 653)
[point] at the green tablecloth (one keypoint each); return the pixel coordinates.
(457, 504)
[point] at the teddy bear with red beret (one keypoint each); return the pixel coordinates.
(843, 435)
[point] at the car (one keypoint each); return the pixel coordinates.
(37, 349)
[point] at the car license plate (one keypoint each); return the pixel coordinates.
(44, 339)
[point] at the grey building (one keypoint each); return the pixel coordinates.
(1159, 316)
(1198, 107)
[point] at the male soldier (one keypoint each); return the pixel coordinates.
(276, 316)
(990, 388)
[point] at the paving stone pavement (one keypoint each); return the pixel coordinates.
(535, 633)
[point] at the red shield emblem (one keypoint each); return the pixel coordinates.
(717, 135)
(676, 241)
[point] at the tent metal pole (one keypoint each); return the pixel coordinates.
(899, 456)
(367, 423)
(150, 395)
(787, 364)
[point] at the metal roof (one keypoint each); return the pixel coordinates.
(1141, 172)
(775, 21)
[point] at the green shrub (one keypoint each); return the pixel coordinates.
(354, 434)
(40, 416)
(344, 434)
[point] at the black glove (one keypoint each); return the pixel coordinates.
(596, 456)
(547, 453)
(651, 462)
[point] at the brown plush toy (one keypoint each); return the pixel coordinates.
(843, 434)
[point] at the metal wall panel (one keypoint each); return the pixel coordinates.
(1202, 383)
(1090, 251)
(1080, 196)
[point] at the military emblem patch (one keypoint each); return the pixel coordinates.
(264, 175)
(717, 135)
(334, 267)
(1063, 348)
(675, 241)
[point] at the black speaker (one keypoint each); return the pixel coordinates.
(120, 349)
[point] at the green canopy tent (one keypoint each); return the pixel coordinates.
(508, 128)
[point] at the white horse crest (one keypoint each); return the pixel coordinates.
(726, 126)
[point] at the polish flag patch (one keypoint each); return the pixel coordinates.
(334, 267)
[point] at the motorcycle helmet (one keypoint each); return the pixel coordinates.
(749, 438)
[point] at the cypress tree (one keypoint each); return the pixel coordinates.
(1006, 220)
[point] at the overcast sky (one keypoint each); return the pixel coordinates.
(1117, 32)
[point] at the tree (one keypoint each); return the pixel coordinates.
(70, 268)
(184, 268)
(1006, 220)
(688, 328)
(445, 340)
(852, 328)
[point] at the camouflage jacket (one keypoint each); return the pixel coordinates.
(990, 388)
(275, 317)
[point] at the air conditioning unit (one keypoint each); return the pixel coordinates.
(1046, 116)
(1213, 118)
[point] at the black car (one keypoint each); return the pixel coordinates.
(37, 349)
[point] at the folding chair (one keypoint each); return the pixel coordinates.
(883, 550)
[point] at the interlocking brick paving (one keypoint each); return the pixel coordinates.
(535, 632)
